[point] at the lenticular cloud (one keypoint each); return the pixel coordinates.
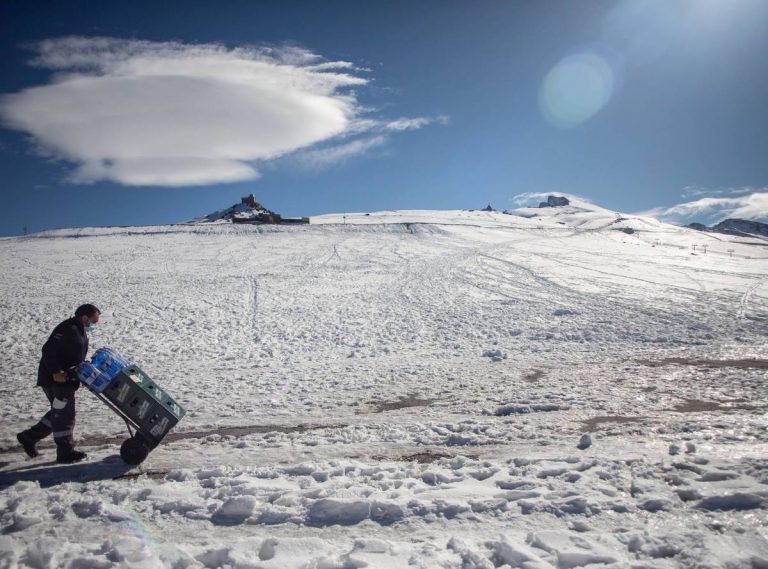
(172, 114)
(753, 205)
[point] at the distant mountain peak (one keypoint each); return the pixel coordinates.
(250, 211)
(734, 226)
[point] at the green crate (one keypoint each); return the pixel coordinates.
(122, 388)
(136, 395)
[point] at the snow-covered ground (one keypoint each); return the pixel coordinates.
(564, 387)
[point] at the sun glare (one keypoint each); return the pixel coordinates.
(577, 88)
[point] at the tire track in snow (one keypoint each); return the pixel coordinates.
(612, 275)
(254, 309)
(745, 298)
(611, 316)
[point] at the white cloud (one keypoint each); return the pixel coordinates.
(700, 192)
(711, 210)
(173, 114)
(375, 134)
(413, 124)
(322, 157)
(165, 171)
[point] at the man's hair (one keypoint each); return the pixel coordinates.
(86, 310)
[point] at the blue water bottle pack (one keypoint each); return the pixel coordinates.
(101, 370)
(92, 376)
(108, 362)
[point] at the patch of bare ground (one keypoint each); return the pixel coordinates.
(151, 474)
(700, 406)
(235, 431)
(403, 403)
(595, 423)
(749, 363)
(534, 375)
(249, 430)
(426, 457)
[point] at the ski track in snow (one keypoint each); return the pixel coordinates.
(404, 390)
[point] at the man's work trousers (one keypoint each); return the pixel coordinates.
(60, 420)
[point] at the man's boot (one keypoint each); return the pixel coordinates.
(27, 443)
(70, 457)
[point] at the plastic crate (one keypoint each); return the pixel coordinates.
(150, 407)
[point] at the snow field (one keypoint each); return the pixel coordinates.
(411, 389)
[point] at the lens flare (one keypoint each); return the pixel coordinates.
(132, 539)
(577, 88)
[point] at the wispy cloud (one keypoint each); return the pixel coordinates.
(711, 210)
(323, 157)
(174, 114)
(370, 134)
(701, 192)
(413, 124)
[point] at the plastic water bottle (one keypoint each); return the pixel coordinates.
(90, 375)
(108, 362)
(100, 357)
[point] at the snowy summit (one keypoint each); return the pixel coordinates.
(248, 210)
(547, 387)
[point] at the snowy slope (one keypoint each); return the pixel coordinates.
(402, 389)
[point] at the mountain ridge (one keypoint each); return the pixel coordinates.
(735, 226)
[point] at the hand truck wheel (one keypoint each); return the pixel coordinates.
(134, 450)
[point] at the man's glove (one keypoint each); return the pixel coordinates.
(72, 375)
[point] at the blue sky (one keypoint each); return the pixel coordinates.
(136, 113)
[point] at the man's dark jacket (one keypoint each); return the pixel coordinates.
(67, 347)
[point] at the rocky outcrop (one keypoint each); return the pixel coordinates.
(555, 201)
